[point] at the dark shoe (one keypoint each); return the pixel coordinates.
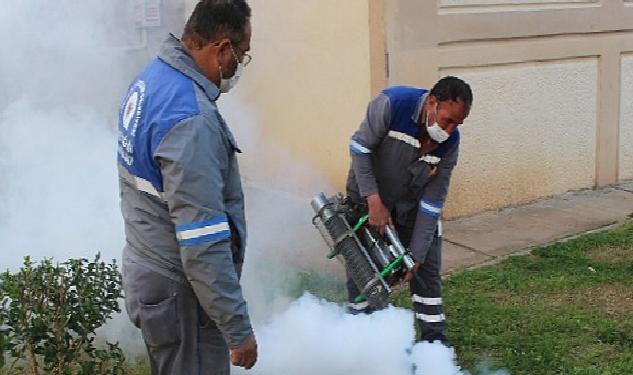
(439, 339)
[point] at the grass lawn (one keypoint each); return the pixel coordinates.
(565, 309)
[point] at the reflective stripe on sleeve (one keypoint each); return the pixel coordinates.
(433, 209)
(357, 148)
(211, 230)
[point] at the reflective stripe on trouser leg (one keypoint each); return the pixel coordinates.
(427, 299)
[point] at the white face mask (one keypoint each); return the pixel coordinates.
(226, 84)
(436, 133)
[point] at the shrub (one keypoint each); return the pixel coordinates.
(48, 317)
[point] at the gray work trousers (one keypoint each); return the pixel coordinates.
(179, 336)
(427, 297)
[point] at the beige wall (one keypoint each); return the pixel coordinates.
(626, 119)
(547, 84)
(307, 87)
(527, 137)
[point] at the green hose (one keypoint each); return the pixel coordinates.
(361, 222)
(384, 273)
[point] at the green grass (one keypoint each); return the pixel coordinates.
(312, 282)
(139, 367)
(564, 309)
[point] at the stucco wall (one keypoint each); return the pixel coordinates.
(448, 3)
(626, 119)
(552, 107)
(531, 134)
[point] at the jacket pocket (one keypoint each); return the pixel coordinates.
(420, 176)
(159, 322)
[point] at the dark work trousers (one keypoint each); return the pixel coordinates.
(427, 297)
(179, 336)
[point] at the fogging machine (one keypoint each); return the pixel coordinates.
(374, 261)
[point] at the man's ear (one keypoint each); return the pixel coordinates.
(224, 46)
(430, 103)
(194, 42)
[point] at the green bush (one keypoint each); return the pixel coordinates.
(48, 317)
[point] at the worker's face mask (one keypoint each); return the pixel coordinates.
(226, 84)
(436, 133)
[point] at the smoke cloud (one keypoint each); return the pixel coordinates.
(61, 80)
(314, 337)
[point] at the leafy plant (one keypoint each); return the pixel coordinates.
(48, 317)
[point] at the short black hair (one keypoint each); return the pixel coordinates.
(452, 88)
(215, 19)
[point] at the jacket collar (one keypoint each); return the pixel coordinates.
(419, 108)
(173, 53)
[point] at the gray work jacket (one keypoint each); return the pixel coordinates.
(387, 159)
(181, 195)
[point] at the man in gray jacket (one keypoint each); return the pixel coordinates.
(403, 156)
(182, 201)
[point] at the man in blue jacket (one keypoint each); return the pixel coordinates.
(182, 200)
(403, 156)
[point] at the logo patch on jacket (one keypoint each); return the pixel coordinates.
(130, 109)
(131, 113)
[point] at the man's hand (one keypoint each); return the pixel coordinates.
(379, 216)
(245, 355)
(409, 275)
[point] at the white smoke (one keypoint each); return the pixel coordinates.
(317, 337)
(314, 337)
(60, 189)
(281, 238)
(62, 79)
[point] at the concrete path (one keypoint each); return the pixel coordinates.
(492, 236)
